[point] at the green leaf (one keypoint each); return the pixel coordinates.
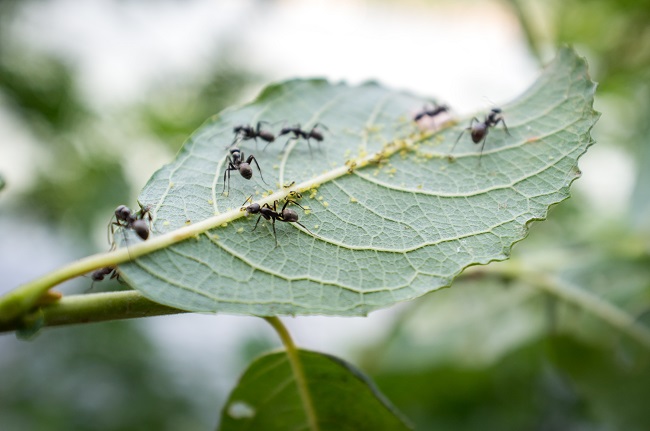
(344, 399)
(615, 388)
(551, 382)
(380, 232)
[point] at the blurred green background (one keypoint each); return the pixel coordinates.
(487, 354)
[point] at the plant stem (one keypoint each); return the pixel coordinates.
(294, 359)
(529, 32)
(570, 293)
(98, 307)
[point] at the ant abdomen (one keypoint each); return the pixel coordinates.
(141, 228)
(289, 215)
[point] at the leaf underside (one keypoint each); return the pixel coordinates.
(385, 233)
(267, 397)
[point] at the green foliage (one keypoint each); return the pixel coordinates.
(267, 397)
(172, 115)
(41, 91)
(104, 378)
(383, 234)
(478, 356)
(615, 387)
(555, 382)
(614, 36)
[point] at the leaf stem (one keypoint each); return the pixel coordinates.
(573, 294)
(90, 308)
(298, 372)
(529, 33)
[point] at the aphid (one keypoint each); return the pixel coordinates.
(246, 132)
(426, 112)
(271, 213)
(237, 163)
(479, 130)
(298, 133)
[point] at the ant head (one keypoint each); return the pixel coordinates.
(496, 110)
(246, 171)
(289, 215)
(99, 274)
(253, 208)
(235, 151)
(141, 228)
(122, 212)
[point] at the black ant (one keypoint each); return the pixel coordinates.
(479, 131)
(246, 132)
(130, 220)
(285, 215)
(298, 133)
(98, 275)
(425, 112)
(237, 163)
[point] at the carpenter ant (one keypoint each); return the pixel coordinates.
(130, 220)
(246, 132)
(237, 163)
(479, 130)
(426, 112)
(298, 133)
(285, 215)
(101, 273)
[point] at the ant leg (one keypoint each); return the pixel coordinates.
(230, 167)
(266, 217)
(252, 158)
(258, 220)
(111, 228)
(471, 123)
(502, 121)
(481, 153)
(275, 235)
(458, 139)
(267, 144)
(287, 143)
(110, 232)
(227, 171)
(304, 227)
(259, 124)
(293, 202)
